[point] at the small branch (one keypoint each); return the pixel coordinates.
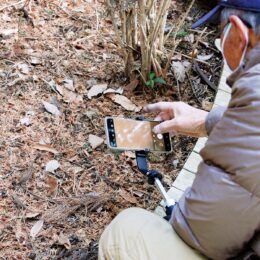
(97, 16)
(175, 35)
(191, 58)
(204, 77)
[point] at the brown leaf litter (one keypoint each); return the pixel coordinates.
(59, 188)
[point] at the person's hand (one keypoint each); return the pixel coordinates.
(178, 118)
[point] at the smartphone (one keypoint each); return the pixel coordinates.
(135, 135)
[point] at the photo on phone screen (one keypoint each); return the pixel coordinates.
(130, 134)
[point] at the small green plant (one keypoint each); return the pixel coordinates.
(183, 32)
(154, 80)
(86, 147)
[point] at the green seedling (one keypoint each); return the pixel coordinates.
(182, 34)
(86, 147)
(183, 31)
(153, 80)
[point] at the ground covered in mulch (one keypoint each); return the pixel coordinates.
(59, 183)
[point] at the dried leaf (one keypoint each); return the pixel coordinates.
(18, 203)
(132, 85)
(95, 141)
(52, 165)
(18, 230)
(51, 108)
(127, 196)
(190, 38)
(96, 90)
(91, 83)
(218, 44)
(130, 154)
(69, 84)
(24, 68)
(124, 102)
(116, 91)
(82, 235)
(36, 228)
(177, 57)
(24, 177)
(63, 240)
(45, 147)
(179, 70)
(206, 105)
(138, 193)
(25, 121)
(69, 96)
(52, 184)
(60, 89)
(32, 214)
(92, 113)
(8, 33)
(35, 60)
(6, 18)
(205, 57)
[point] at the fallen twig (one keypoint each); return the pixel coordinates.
(204, 77)
(169, 58)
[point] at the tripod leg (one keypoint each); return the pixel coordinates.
(168, 212)
(168, 201)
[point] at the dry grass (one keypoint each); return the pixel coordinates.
(140, 29)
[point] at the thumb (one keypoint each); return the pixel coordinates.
(165, 127)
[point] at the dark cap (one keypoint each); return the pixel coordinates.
(214, 15)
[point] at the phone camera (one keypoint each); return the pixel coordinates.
(160, 136)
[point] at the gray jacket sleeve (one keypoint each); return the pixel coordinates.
(213, 117)
(219, 214)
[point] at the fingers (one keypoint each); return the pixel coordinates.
(165, 127)
(159, 107)
(162, 117)
(172, 134)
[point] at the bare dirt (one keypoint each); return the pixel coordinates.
(54, 52)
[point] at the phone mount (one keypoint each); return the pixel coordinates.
(154, 178)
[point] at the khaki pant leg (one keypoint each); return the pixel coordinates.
(138, 234)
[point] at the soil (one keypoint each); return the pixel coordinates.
(55, 51)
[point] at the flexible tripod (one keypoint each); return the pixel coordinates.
(154, 177)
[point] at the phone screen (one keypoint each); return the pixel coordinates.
(129, 134)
